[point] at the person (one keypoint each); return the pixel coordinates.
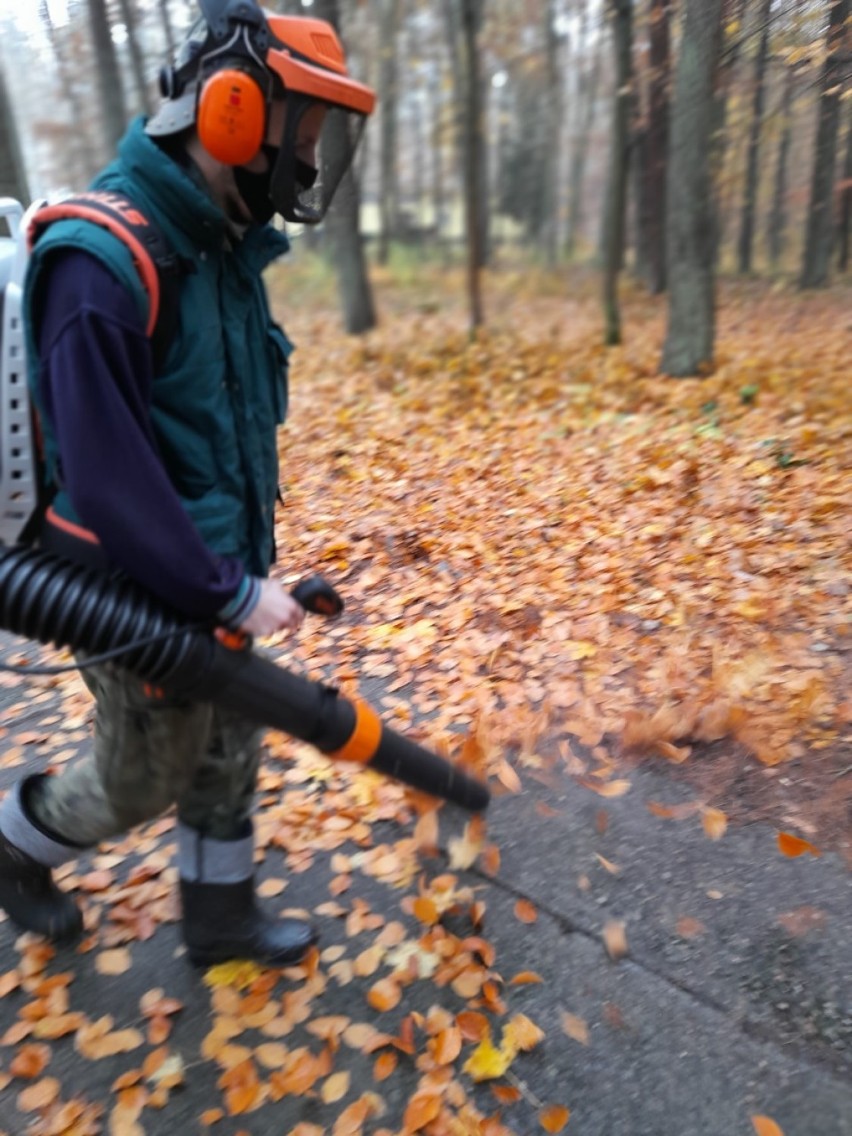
(166, 470)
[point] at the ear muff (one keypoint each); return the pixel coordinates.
(231, 116)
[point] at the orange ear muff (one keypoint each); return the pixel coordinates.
(231, 119)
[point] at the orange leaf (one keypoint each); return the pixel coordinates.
(525, 911)
(384, 995)
(446, 1046)
(506, 1094)
(794, 846)
(553, 1118)
(211, 1116)
(615, 939)
(575, 1028)
(509, 777)
(525, 978)
(765, 1126)
(715, 823)
(473, 1026)
(38, 1095)
(384, 1066)
(113, 962)
(522, 1033)
(30, 1061)
(422, 1110)
(241, 1098)
(425, 909)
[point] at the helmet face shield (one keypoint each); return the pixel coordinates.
(317, 148)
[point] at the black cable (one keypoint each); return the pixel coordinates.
(104, 656)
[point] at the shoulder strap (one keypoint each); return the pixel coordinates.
(158, 266)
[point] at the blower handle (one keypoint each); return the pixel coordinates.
(316, 595)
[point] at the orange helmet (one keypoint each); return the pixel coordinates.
(237, 61)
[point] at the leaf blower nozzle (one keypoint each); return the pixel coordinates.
(49, 600)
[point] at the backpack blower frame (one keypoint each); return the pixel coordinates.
(57, 602)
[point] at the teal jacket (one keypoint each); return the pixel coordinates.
(221, 392)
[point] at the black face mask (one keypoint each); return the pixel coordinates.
(254, 188)
(306, 175)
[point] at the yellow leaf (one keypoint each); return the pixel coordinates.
(765, 1126)
(715, 823)
(487, 1063)
(553, 1118)
(335, 1088)
(239, 973)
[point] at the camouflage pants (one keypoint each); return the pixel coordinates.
(150, 753)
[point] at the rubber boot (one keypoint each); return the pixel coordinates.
(27, 853)
(221, 917)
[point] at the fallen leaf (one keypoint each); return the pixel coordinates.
(553, 1118)
(615, 939)
(336, 1087)
(525, 911)
(38, 1095)
(794, 846)
(421, 1110)
(715, 823)
(526, 978)
(487, 1063)
(575, 1027)
(384, 995)
(689, 928)
(521, 1033)
(30, 1061)
(113, 962)
(765, 1126)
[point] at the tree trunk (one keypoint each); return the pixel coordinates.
(13, 177)
(548, 231)
(747, 225)
(462, 19)
(616, 198)
(845, 219)
(343, 221)
(654, 142)
(388, 110)
(110, 90)
(690, 244)
(589, 91)
(168, 31)
(815, 264)
(730, 48)
(136, 57)
(471, 19)
(83, 159)
(778, 216)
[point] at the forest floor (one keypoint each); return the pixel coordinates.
(622, 598)
(563, 544)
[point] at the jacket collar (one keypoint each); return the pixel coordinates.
(185, 202)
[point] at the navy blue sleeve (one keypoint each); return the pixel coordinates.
(95, 383)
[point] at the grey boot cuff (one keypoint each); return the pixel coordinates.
(202, 860)
(20, 829)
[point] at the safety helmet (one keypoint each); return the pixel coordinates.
(237, 60)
